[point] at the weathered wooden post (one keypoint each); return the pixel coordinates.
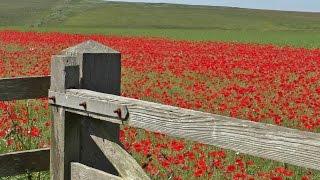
(64, 74)
(93, 66)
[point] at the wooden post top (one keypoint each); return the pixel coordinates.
(88, 47)
(99, 68)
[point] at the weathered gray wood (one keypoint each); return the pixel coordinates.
(94, 107)
(24, 88)
(102, 72)
(16, 163)
(88, 47)
(95, 116)
(57, 143)
(72, 140)
(91, 154)
(99, 70)
(125, 164)
(83, 172)
(65, 142)
(65, 73)
(258, 139)
(100, 66)
(65, 130)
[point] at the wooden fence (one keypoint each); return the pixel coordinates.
(87, 112)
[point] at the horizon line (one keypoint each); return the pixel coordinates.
(208, 5)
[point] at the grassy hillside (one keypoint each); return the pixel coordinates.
(164, 16)
(165, 20)
(24, 13)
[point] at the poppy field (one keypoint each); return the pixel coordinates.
(262, 83)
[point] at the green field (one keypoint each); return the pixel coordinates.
(163, 20)
(24, 13)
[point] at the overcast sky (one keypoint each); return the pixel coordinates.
(288, 5)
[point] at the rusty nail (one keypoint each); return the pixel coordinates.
(52, 98)
(118, 111)
(83, 104)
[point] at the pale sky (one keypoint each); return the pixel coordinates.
(287, 5)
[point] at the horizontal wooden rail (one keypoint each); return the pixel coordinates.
(258, 139)
(98, 107)
(24, 88)
(16, 163)
(83, 172)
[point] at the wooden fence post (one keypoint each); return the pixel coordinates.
(93, 66)
(64, 74)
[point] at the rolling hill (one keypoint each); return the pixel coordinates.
(168, 20)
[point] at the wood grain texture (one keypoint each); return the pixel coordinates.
(83, 172)
(57, 165)
(65, 129)
(72, 141)
(24, 88)
(100, 66)
(125, 164)
(90, 46)
(94, 107)
(90, 153)
(65, 142)
(16, 163)
(258, 139)
(65, 73)
(102, 73)
(89, 65)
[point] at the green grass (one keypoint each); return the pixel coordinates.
(22, 141)
(24, 13)
(163, 20)
(309, 39)
(164, 16)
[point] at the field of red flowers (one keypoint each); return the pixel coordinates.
(264, 83)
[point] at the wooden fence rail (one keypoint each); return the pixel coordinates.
(87, 112)
(257, 139)
(20, 162)
(18, 88)
(24, 88)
